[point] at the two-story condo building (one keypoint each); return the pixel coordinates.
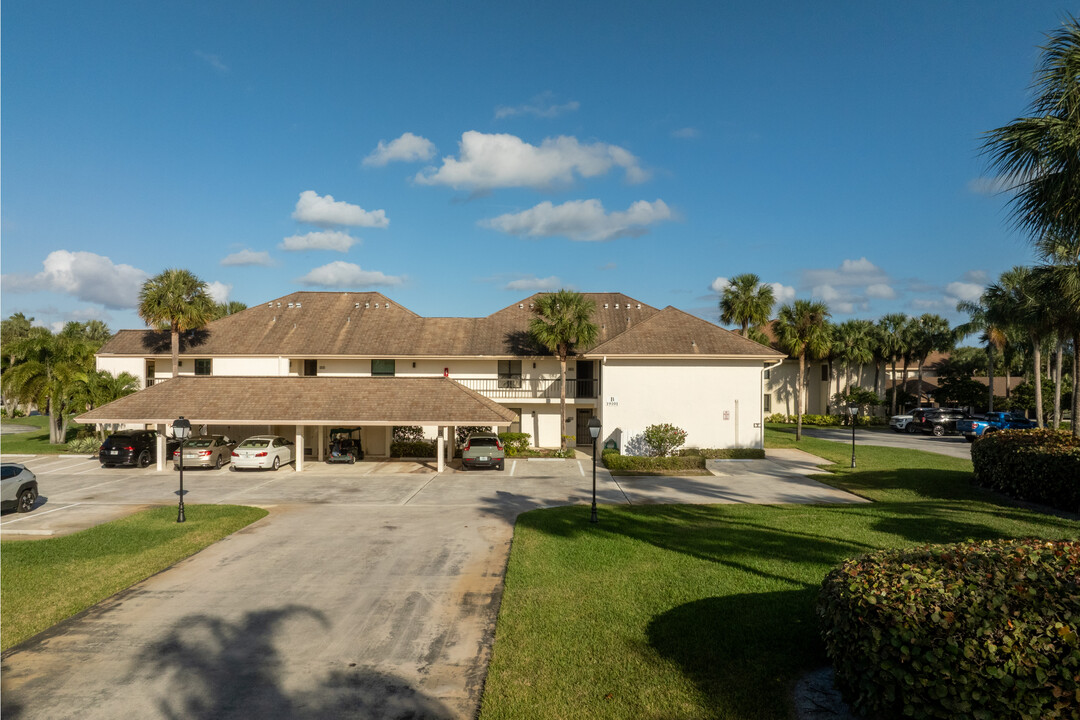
(308, 361)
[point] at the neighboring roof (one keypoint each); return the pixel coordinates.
(932, 383)
(674, 332)
(304, 401)
(325, 324)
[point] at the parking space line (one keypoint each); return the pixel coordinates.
(513, 466)
(244, 490)
(107, 482)
(37, 515)
(580, 469)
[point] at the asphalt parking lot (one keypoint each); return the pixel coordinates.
(951, 445)
(369, 591)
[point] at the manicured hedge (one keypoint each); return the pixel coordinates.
(1038, 465)
(970, 630)
(828, 420)
(687, 459)
(514, 443)
(413, 448)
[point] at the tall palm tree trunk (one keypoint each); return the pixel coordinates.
(893, 406)
(990, 374)
(799, 398)
(562, 401)
(1037, 364)
(175, 342)
(905, 374)
(1076, 385)
(1058, 358)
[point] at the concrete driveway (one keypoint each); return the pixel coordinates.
(370, 591)
(951, 445)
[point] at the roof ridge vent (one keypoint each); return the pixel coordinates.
(356, 305)
(367, 305)
(269, 304)
(290, 304)
(639, 306)
(616, 306)
(521, 306)
(297, 306)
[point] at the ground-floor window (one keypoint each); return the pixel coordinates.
(515, 427)
(766, 403)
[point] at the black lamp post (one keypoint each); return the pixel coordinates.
(853, 410)
(181, 430)
(594, 430)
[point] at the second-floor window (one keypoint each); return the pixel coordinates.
(204, 366)
(509, 373)
(382, 368)
(311, 367)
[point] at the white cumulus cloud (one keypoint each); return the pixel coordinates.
(325, 240)
(880, 291)
(534, 284)
(248, 257)
(582, 220)
(489, 161)
(218, 291)
(312, 208)
(686, 133)
(85, 275)
(719, 284)
(965, 291)
(850, 273)
(783, 293)
(407, 148)
(341, 274)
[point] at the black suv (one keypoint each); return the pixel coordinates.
(938, 421)
(133, 447)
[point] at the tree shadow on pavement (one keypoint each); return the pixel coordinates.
(221, 669)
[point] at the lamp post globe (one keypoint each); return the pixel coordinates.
(181, 431)
(594, 430)
(853, 410)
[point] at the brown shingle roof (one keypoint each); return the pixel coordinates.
(674, 332)
(369, 324)
(305, 401)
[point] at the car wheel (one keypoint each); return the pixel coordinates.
(27, 498)
(277, 463)
(107, 465)
(939, 430)
(464, 467)
(232, 467)
(502, 465)
(144, 459)
(351, 459)
(217, 463)
(912, 428)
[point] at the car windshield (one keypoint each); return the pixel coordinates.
(255, 443)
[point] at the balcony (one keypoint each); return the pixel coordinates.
(531, 388)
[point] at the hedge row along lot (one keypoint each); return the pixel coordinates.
(46, 581)
(687, 611)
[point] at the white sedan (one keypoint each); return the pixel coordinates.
(262, 451)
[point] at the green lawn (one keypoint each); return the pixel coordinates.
(45, 581)
(35, 441)
(685, 611)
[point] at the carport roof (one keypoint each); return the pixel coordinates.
(304, 401)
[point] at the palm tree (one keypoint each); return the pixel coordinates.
(1059, 280)
(930, 333)
(802, 330)
(991, 335)
(46, 373)
(746, 302)
(563, 320)
(879, 348)
(178, 300)
(12, 330)
(1040, 154)
(894, 342)
(853, 345)
(94, 389)
(225, 309)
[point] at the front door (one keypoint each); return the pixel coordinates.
(583, 436)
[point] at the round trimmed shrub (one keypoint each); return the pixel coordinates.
(974, 630)
(1038, 465)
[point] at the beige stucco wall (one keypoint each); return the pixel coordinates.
(117, 365)
(691, 394)
(243, 366)
(818, 393)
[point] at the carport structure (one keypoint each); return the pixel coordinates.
(304, 402)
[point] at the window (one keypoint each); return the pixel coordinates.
(384, 368)
(515, 427)
(203, 366)
(510, 374)
(766, 404)
(768, 374)
(825, 371)
(311, 367)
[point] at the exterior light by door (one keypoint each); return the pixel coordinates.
(446, 372)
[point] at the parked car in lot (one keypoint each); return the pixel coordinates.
(205, 451)
(18, 487)
(938, 422)
(482, 449)
(974, 428)
(133, 447)
(262, 452)
(902, 423)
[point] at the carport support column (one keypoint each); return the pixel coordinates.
(161, 447)
(440, 446)
(451, 442)
(322, 443)
(299, 462)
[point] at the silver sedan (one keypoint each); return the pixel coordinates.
(210, 451)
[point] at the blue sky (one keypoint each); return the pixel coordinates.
(460, 156)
